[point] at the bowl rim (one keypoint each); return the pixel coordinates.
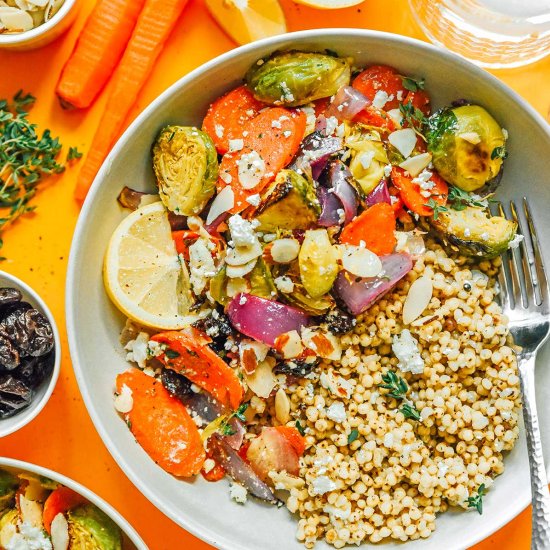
(31, 35)
(196, 528)
(88, 494)
(26, 415)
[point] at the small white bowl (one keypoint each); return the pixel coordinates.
(130, 535)
(43, 34)
(22, 418)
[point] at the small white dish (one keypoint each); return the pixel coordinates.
(130, 535)
(43, 34)
(23, 417)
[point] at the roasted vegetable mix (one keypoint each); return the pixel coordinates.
(304, 199)
(36, 512)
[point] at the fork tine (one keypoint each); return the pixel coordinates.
(542, 281)
(504, 276)
(525, 260)
(514, 286)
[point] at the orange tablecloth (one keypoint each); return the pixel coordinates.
(63, 436)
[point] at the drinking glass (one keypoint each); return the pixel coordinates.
(491, 33)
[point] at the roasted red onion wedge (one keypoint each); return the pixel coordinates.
(330, 204)
(263, 319)
(347, 103)
(238, 469)
(358, 294)
(379, 194)
(339, 178)
(315, 152)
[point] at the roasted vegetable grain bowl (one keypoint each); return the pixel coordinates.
(95, 325)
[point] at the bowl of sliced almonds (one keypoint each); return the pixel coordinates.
(29, 24)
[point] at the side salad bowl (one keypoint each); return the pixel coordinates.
(94, 325)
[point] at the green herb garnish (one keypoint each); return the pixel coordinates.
(499, 153)
(412, 84)
(300, 428)
(398, 389)
(409, 411)
(25, 158)
(171, 354)
(73, 154)
(436, 207)
(476, 502)
(459, 199)
(414, 116)
(353, 435)
(225, 428)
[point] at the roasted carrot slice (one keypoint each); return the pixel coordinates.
(274, 136)
(183, 239)
(371, 116)
(59, 501)
(381, 78)
(162, 425)
(294, 437)
(228, 114)
(154, 25)
(97, 51)
(411, 193)
(375, 227)
(189, 354)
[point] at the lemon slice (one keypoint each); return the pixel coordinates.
(329, 4)
(142, 272)
(248, 20)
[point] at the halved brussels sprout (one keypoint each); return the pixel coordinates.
(467, 145)
(474, 232)
(92, 529)
(296, 78)
(368, 157)
(318, 261)
(185, 163)
(8, 486)
(8, 525)
(289, 203)
(218, 287)
(261, 281)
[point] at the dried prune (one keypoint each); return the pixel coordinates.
(9, 356)
(34, 370)
(29, 331)
(14, 395)
(339, 322)
(296, 368)
(177, 384)
(218, 327)
(9, 296)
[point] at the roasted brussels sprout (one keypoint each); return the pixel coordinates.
(91, 529)
(8, 487)
(467, 145)
(261, 281)
(474, 232)
(186, 168)
(318, 262)
(296, 78)
(289, 203)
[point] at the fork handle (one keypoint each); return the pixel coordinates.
(540, 539)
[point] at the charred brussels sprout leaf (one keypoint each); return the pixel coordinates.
(463, 142)
(186, 168)
(296, 78)
(92, 529)
(289, 203)
(8, 485)
(474, 232)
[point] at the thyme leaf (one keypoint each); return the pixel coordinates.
(476, 501)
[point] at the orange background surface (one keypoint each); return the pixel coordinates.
(63, 437)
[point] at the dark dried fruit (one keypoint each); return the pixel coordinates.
(9, 356)
(176, 384)
(9, 296)
(6, 309)
(34, 370)
(217, 327)
(14, 395)
(295, 368)
(339, 322)
(29, 331)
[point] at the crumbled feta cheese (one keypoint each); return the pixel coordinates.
(442, 468)
(208, 466)
(287, 133)
(124, 401)
(337, 412)
(237, 492)
(505, 133)
(485, 236)
(287, 94)
(284, 284)
(405, 348)
(400, 95)
(338, 386)
(235, 145)
(242, 231)
(254, 200)
(28, 537)
(138, 350)
(381, 98)
(251, 169)
(331, 125)
(387, 170)
(201, 265)
(337, 513)
(219, 130)
(396, 115)
(467, 232)
(365, 158)
(424, 180)
(516, 241)
(276, 124)
(322, 485)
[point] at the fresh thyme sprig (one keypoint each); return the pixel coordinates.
(414, 117)
(225, 428)
(398, 389)
(412, 84)
(459, 199)
(436, 207)
(25, 158)
(476, 502)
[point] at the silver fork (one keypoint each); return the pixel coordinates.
(525, 301)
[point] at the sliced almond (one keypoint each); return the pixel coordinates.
(31, 511)
(403, 140)
(360, 261)
(282, 406)
(262, 381)
(243, 254)
(289, 344)
(239, 271)
(224, 201)
(15, 19)
(324, 344)
(284, 251)
(60, 532)
(415, 165)
(396, 115)
(470, 137)
(417, 300)
(124, 402)
(251, 354)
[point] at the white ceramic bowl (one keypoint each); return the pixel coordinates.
(129, 534)
(94, 324)
(43, 34)
(14, 423)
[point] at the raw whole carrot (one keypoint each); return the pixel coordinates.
(97, 52)
(275, 135)
(381, 78)
(294, 437)
(228, 114)
(375, 227)
(411, 193)
(189, 354)
(156, 21)
(161, 425)
(59, 501)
